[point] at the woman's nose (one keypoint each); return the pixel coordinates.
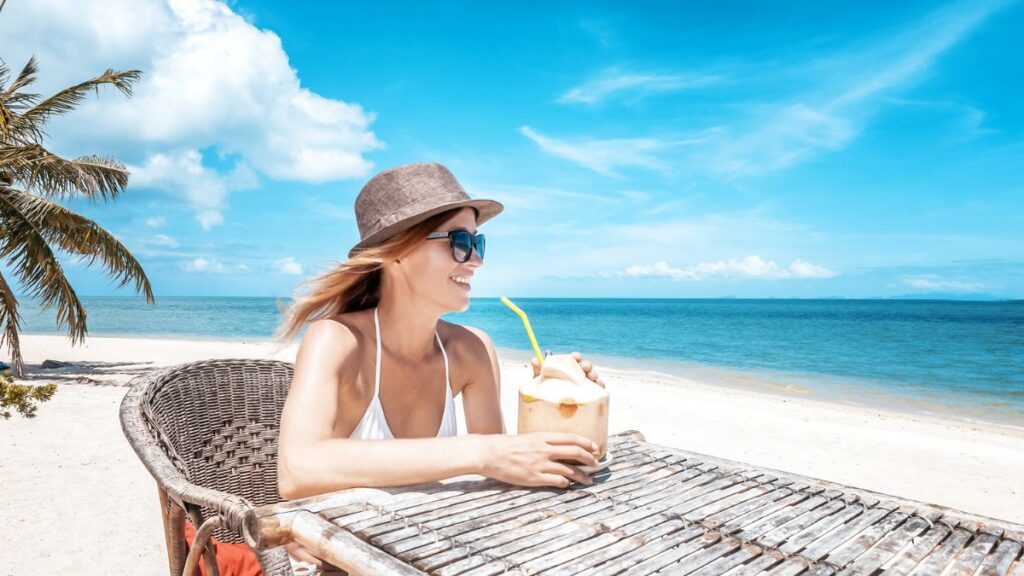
(475, 260)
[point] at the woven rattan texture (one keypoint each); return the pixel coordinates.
(218, 421)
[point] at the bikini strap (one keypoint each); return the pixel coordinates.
(447, 380)
(376, 368)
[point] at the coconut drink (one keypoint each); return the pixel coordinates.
(563, 399)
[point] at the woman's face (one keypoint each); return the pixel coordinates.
(431, 272)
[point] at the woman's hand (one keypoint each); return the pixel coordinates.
(537, 459)
(588, 368)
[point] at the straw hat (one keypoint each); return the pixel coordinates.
(404, 196)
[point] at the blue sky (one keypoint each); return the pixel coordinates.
(652, 150)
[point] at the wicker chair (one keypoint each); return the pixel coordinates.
(207, 432)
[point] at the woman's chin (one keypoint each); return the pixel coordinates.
(461, 303)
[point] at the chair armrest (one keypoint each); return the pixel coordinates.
(235, 511)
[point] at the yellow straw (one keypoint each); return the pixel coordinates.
(529, 331)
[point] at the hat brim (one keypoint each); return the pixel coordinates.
(485, 209)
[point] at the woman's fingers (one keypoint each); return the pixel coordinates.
(574, 453)
(535, 366)
(554, 480)
(588, 368)
(563, 438)
(572, 473)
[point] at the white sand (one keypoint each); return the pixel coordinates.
(77, 500)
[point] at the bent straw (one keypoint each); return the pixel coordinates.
(529, 330)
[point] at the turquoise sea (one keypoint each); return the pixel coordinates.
(966, 358)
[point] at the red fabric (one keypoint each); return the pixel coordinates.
(233, 559)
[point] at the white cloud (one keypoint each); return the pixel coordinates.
(208, 264)
(604, 156)
(791, 134)
(612, 82)
(288, 266)
(830, 116)
(163, 240)
(183, 174)
(156, 221)
(204, 265)
(934, 283)
(212, 80)
(846, 90)
(751, 267)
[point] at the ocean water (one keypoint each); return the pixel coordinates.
(966, 358)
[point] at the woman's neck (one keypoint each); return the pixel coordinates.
(407, 328)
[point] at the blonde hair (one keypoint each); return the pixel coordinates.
(354, 284)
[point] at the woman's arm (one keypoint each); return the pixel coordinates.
(312, 461)
(481, 395)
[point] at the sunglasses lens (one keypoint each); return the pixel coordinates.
(480, 245)
(462, 246)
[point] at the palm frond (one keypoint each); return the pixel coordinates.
(36, 265)
(94, 177)
(30, 122)
(76, 234)
(22, 100)
(10, 318)
(26, 77)
(6, 115)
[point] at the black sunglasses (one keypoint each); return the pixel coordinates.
(463, 243)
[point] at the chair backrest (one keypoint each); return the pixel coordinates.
(218, 422)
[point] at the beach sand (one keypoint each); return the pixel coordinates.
(77, 499)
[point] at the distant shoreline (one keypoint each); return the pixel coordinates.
(856, 393)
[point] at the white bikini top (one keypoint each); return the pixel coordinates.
(374, 426)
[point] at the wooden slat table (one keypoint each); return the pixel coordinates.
(655, 510)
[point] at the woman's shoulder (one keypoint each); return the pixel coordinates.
(465, 339)
(357, 323)
(340, 336)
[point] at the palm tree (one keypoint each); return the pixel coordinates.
(33, 226)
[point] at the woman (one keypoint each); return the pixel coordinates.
(377, 371)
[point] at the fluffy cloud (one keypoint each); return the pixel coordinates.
(212, 81)
(751, 267)
(204, 265)
(156, 221)
(288, 266)
(183, 174)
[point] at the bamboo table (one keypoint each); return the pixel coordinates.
(654, 510)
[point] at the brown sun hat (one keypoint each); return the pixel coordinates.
(404, 196)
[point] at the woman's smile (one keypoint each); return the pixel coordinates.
(461, 281)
